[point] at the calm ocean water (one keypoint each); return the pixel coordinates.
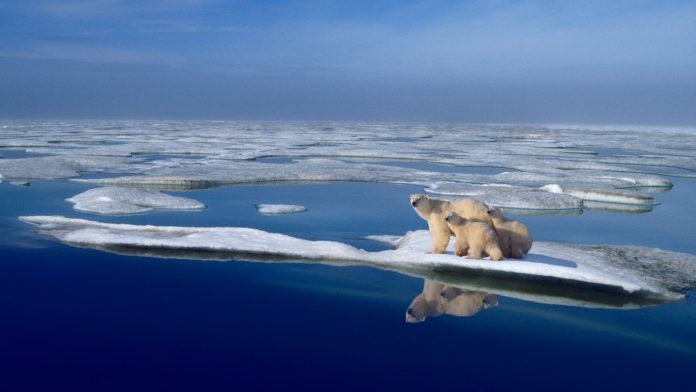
(81, 319)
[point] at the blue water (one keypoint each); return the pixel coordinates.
(81, 319)
(14, 154)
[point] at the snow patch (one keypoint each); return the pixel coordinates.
(552, 188)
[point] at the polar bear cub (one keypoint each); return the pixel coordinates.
(434, 211)
(514, 238)
(473, 238)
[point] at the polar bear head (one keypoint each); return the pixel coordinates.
(418, 200)
(495, 213)
(421, 308)
(452, 218)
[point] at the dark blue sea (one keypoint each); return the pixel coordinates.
(86, 320)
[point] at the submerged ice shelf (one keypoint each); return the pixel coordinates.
(552, 273)
(118, 200)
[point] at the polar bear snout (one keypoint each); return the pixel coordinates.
(413, 316)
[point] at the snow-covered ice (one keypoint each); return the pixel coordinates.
(598, 164)
(517, 197)
(118, 200)
(273, 209)
(643, 274)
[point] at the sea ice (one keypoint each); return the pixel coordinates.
(643, 274)
(611, 196)
(53, 167)
(117, 200)
(586, 162)
(516, 197)
(273, 209)
(43, 167)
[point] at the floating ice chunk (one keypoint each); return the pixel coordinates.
(115, 200)
(617, 207)
(536, 176)
(42, 167)
(603, 195)
(19, 183)
(53, 167)
(532, 200)
(650, 274)
(308, 170)
(273, 209)
(510, 197)
(612, 196)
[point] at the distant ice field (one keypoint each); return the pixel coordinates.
(597, 164)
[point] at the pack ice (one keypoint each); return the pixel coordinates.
(614, 166)
(584, 275)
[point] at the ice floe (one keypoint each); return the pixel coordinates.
(20, 183)
(53, 167)
(611, 196)
(552, 272)
(117, 200)
(510, 197)
(273, 209)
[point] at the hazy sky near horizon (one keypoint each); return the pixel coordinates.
(627, 62)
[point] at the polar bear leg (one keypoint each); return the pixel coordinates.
(475, 252)
(461, 248)
(440, 239)
(516, 252)
(494, 252)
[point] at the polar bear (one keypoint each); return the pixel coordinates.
(514, 238)
(432, 302)
(473, 238)
(434, 211)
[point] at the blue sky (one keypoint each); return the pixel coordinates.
(628, 62)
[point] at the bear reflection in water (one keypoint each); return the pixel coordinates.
(437, 299)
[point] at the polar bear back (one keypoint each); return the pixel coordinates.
(515, 238)
(470, 209)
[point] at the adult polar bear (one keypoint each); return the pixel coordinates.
(434, 212)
